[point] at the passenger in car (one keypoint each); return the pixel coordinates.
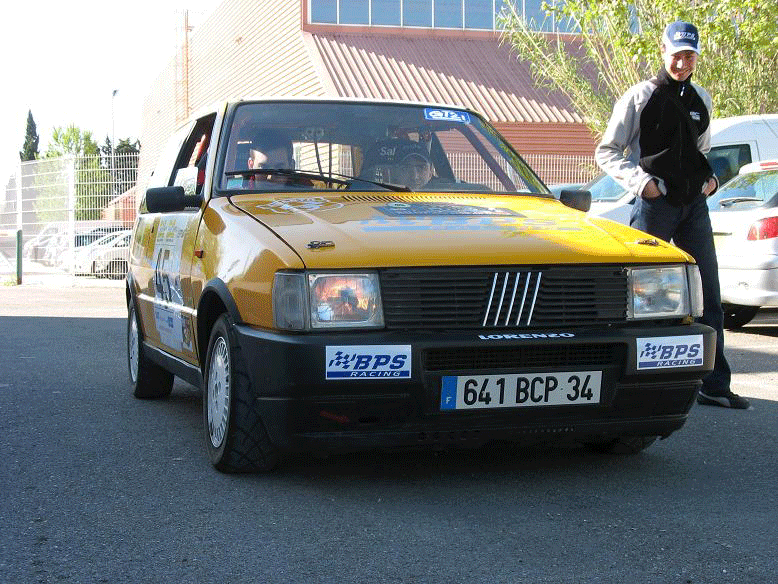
(414, 169)
(401, 162)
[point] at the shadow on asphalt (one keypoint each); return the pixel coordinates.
(494, 462)
(765, 330)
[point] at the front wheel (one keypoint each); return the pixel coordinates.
(235, 435)
(738, 315)
(148, 379)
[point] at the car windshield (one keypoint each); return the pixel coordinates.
(604, 188)
(746, 191)
(294, 146)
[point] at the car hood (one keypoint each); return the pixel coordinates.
(397, 229)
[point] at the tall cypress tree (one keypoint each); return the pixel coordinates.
(30, 148)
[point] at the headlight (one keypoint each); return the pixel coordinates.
(659, 292)
(331, 300)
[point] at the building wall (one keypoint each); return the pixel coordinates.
(548, 138)
(245, 48)
(250, 48)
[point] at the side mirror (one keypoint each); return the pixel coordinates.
(581, 200)
(170, 200)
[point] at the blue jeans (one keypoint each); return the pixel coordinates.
(690, 229)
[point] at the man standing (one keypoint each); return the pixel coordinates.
(654, 146)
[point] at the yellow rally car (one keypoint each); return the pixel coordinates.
(346, 275)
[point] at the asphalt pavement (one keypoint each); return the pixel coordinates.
(100, 487)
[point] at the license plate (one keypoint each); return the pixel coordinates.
(471, 392)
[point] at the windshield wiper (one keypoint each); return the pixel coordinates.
(285, 172)
(733, 200)
(337, 178)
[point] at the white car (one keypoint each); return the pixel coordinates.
(86, 256)
(111, 260)
(609, 199)
(744, 215)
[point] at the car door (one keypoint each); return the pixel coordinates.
(165, 300)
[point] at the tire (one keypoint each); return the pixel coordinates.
(235, 435)
(148, 380)
(738, 315)
(622, 445)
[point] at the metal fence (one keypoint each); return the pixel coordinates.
(74, 214)
(557, 169)
(71, 213)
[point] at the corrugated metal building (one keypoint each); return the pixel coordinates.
(249, 48)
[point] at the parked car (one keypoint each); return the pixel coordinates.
(111, 260)
(744, 215)
(325, 298)
(556, 189)
(735, 142)
(52, 239)
(87, 257)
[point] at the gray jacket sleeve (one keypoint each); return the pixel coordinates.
(703, 142)
(618, 153)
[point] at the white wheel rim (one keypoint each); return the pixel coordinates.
(132, 347)
(218, 392)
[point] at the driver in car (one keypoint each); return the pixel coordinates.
(270, 150)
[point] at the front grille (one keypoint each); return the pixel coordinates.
(498, 298)
(599, 356)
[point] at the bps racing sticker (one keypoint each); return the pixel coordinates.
(669, 352)
(368, 362)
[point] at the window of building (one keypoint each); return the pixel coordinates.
(478, 14)
(386, 12)
(448, 13)
(533, 11)
(469, 14)
(354, 12)
(324, 11)
(417, 13)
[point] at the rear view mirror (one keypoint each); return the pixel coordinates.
(170, 200)
(581, 200)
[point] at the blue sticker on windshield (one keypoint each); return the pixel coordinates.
(445, 115)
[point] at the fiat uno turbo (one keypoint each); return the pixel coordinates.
(347, 275)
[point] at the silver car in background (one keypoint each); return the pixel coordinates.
(744, 214)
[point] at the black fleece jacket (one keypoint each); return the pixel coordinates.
(670, 124)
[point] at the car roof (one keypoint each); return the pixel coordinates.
(221, 105)
(719, 124)
(346, 100)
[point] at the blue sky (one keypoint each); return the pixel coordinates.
(62, 60)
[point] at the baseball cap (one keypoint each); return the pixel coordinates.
(413, 150)
(681, 36)
(394, 150)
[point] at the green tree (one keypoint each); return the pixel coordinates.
(92, 182)
(72, 141)
(121, 162)
(617, 45)
(30, 148)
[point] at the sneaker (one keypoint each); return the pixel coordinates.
(727, 400)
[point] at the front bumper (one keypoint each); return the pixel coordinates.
(303, 410)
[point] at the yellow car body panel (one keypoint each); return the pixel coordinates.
(537, 231)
